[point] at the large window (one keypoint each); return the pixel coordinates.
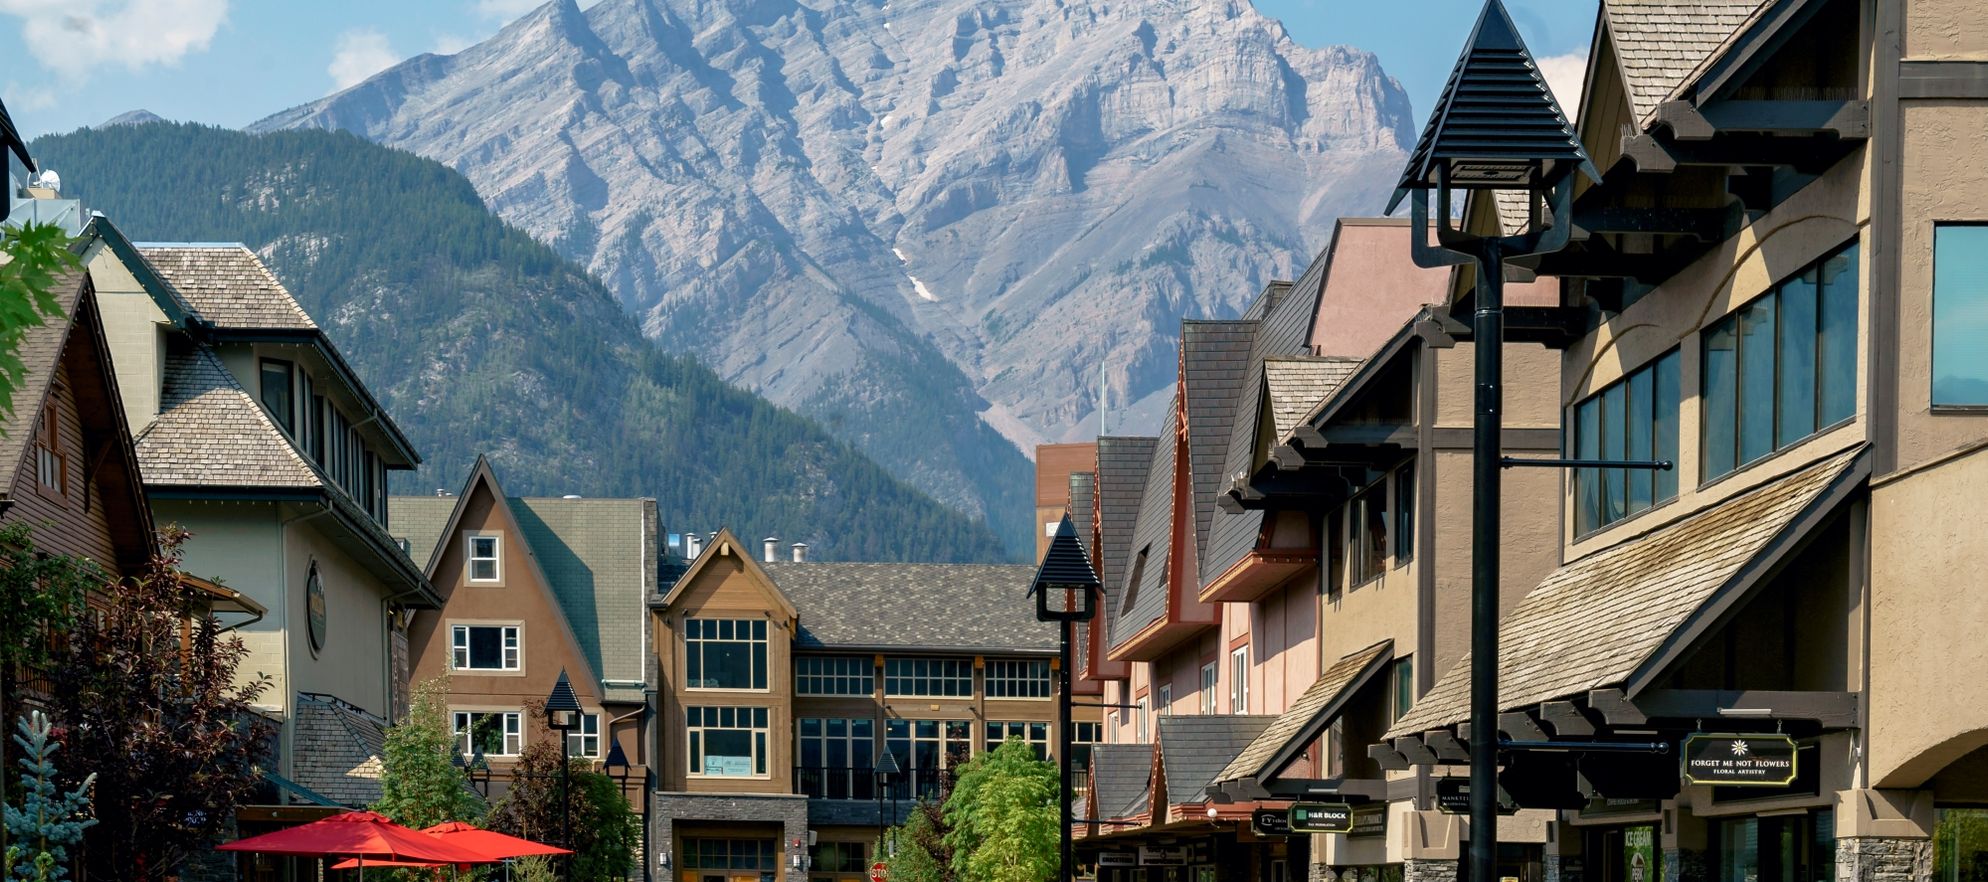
(1239, 680)
(837, 758)
(1367, 551)
(1018, 678)
(1960, 845)
(585, 739)
(724, 653)
(491, 733)
(1781, 848)
(278, 393)
(838, 857)
(925, 749)
(1035, 735)
(835, 675)
(1634, 418)
(1782, 367)
(1960, 314)
(485, 648)
(928, 677)
(483, 561)
(732, 854)
(726, 742)
(1208, 686)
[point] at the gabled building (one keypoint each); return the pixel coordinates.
(533, 587)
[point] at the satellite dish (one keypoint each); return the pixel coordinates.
(51, 180)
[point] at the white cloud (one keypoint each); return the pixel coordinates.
(72, 38)
(1564, 74)
(361, 52)
(20, 97)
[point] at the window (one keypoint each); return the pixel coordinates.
(838, 857)
(726, 742)
(1208, 686)
(278, 395)
(1335, 552)
(1035, 735)
(837, 758)
(1960, 314)
(928, 677)
(1367, 555)
(1404, 514)
(491, 733)
(586, 740)
(834, 675)
(731, 854)
(924, 750)
(1165, 702)
(1082, 736)
(482, 551)
(485, 648)
(1960, 844)
(1633, 418)
(1404, 685)
(48, 450)
(1139, 720)
(1018, 678)
(724, 653)
(1780, 848)
(318, 410)
(1782, 367)
(1239, 680)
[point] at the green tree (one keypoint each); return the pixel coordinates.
(420, 784)
(924, 852)
(1003, 814)
(51, 820)
(605, 831)
(35, 254)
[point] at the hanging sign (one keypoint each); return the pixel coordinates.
(1270, 822)
(1453, 798)
(1321, 817)
(1730, 760)
(1118, 859)
(1163, 855)
(1369, 820)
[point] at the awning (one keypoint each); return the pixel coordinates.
(1298, 727)
(1619, 617)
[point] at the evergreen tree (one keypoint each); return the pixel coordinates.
(48, 822)
(420, 784)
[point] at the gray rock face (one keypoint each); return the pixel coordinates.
(933, 225)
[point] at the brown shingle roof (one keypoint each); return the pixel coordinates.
(1337, 680)
(228, 285)
(1593, 622)
(1297, 385)
(338, 749)
(1659, 43)
(210, 433)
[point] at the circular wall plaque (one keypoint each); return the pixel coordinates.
(314, 607)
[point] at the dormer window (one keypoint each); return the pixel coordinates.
(483, 559)
(278, 393)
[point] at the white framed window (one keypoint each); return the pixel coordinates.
(486, 648)
(851, 675)
(48, 450)
(585, 741)
(1209, 684)
(1239, 680)
(1018, 678)
(1139, 720)
(483, 558)
(1166, 699)
(724, 654)
(726, 742)
(491, 733)
(1034, 734)
(928, 677)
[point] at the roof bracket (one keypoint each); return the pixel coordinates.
(1566, 719)
(1388, 759)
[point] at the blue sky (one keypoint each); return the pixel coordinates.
(230, 62)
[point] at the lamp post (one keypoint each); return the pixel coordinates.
(562, 713)
(1495, 127)
(1065, 591)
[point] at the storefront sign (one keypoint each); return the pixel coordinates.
(1453, 798)
(1321, 817)
(727, 766)
(1118, 859)
(1369, 820)
(1163, 855)
(1639, 855)
(1739, 760)
(1270, 822)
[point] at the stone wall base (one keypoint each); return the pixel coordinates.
(1880, 859)
(1429, 871)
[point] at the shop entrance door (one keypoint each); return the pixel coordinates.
(1517, 862)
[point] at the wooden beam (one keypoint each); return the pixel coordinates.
(1412, 747)
(1446, 746)
(1369, 788)
(1387, 758)
(1615, 708)
(1521, 726)
(1943, 79)
(1703, 224)
(1567, 720)
(1833, 710)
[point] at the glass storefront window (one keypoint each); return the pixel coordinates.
(1784, 848)
(1960, 845)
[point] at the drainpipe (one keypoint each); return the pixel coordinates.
(651, 781)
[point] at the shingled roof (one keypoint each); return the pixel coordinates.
(1122, 780)
(1142, 594)
(1321, 701)
(228, 285)
(1194, 749)
(956, 607)
(1121, 483)
(337, 750)
(1298, 384)
(1597, 621)
(1659, 43)
(211, 433)
(1214, 359)
(40, 354)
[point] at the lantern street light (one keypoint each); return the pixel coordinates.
(562, 713)
(1495, 127)
(1065, 592)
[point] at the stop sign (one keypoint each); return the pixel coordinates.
(879, 872)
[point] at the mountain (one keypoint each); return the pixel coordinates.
(480, 339)
(931, 225)
(131, 118)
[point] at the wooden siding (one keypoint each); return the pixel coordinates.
(72, 521)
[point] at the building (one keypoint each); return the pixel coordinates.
(532, 588)
(803, 707)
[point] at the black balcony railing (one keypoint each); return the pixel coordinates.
(832, 782)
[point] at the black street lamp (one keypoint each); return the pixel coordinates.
(476, 770)
(1065, 592)
(1495, 127)
(562, 713)
(886, 774)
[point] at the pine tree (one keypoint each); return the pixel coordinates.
(48, 822)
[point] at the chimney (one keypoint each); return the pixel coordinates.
(800, 552)
(692, 546)
(772, 549)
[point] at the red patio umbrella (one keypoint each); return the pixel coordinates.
(353, 864)
(366, 836)
(495, 845)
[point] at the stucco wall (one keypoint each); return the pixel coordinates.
(353, 664)
(236, 545)
(1939, 184)
(132, 327)
(1945, 30)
